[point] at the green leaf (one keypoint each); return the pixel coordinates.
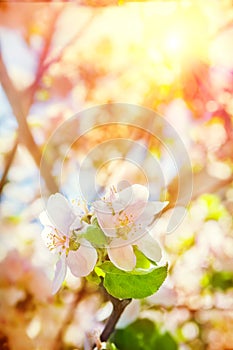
(137, 336)
(95, 235)
(111, 346)
(166, 342)
(99, 272)
(93, 278)
(143, 335)
(142, 261)
(221, 280)
(136, 284)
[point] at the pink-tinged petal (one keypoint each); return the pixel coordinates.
(133, 194)
(60, 212)
(82, 261)
(105, 217)
(60, 274)
(123, 257)
(150, 247)
(148, 214)
(107, 224)
(133, 201)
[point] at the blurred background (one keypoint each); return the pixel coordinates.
(56, 59)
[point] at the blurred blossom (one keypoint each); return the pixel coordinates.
(190, 330)
(212, 136)
(129, 315)
(166, 296)
(220, 170)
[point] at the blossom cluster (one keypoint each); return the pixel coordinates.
(122, 217)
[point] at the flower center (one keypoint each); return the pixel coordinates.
(125, 219)
(124, 224)
(57, 241)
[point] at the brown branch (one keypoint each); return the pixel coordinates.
(118, 308)
(8, 161)
(69, 317)
(25, 135)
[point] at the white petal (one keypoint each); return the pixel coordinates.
(60, 274)
(82, 261)
(45, 234)
(44, 219)
(102, 206)
(77, 224)
(150, 247)
(155, 207)
(123, 257)
(60, 212)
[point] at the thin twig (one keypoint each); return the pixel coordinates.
(8, 161)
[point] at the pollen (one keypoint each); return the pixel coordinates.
(125, 219)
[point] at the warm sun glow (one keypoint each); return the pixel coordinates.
(174, 43)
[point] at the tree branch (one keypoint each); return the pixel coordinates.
(8, 161)
(44, 53)
(70, 42)
(25, 135)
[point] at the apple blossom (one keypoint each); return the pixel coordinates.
(61, 224)
(124, 217)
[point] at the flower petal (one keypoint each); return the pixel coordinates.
(44, 219)
(82, 261)
(133, 194)
(60, 212)
(60, 274)
(123, 257)
(150, 247)
(148, 214)
(105, 217)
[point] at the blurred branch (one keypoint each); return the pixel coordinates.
(25, 135)
(70, 42)
(222, 29)
(202, 183)
(213, 185)
(8, 161)
(69, 317)
(44, 53)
